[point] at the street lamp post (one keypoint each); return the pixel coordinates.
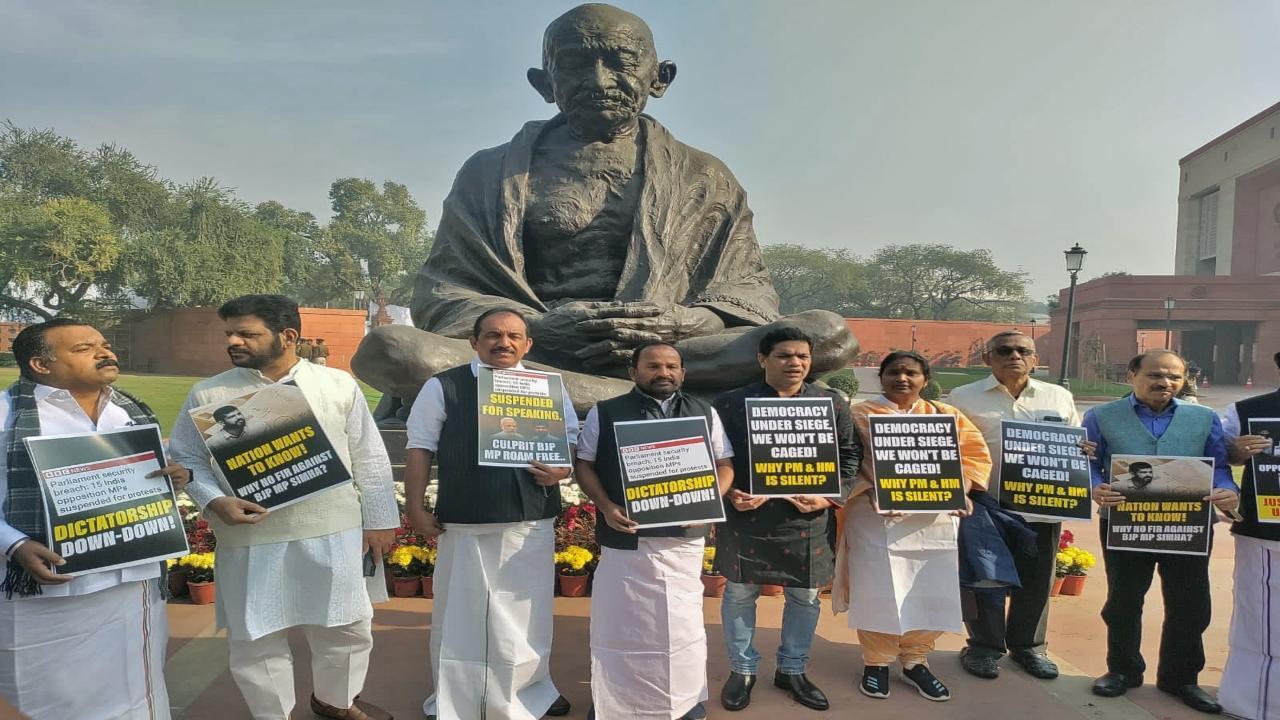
(1033, 331)
(1075, 261)
(1169, 303)
(913, 338)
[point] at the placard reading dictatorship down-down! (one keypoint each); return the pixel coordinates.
(1044, 475)
(270, 447)
(101, 509)
(668, 475)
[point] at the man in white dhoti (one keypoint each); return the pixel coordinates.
(648, 645)
(297, 566)
(492, 619)
(1250, 685)
(90, 645)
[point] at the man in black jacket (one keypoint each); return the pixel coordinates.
(782, 541)
(648, 645)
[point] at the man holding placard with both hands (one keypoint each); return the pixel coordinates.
(1010, 393)
(781, 535)
(648, 643)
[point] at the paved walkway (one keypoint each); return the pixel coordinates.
(201, 688)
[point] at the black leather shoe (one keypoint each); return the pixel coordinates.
(1115, 684)
(983, 666)
(736, 693)
(560, 707)
(697, 712)
(802, 691)
(1194, 697)
(1036, 664)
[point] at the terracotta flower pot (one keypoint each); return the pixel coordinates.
(177, 581)
(406, 586)
(1073, 584)
(770, 590)
(713, 585)
(428, 586)
(386, 575)
(202, 593)
(1057, 586)
(573, 585)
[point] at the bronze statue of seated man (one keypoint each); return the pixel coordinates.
(603, 230)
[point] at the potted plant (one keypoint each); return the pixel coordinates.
(428, 556)
(1062, 562)
(574, 564)
(1078, 563)
(712, 581)
(405, 562)
(200, 573)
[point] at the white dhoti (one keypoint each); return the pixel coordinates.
(317, 584)
(648, 644)
(491, 622)
(903, 573)
(99, 655)
(1250, 685)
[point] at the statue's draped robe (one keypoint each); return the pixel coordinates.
(691, 243)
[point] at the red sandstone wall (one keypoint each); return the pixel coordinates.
(945, 343)
(189, 341)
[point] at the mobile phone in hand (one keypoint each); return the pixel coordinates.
(370, 565)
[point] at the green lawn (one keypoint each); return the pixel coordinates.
(165, 393)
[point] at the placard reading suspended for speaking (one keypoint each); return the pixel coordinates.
(521, 418)
(1044, 475)
(668, 475)
(1164, 508)
(792, 446)
(916, 459)
(101, 510)
(1266, 470)
(269, 446)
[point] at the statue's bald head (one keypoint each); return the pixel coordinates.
(599, 66)
(594, 21)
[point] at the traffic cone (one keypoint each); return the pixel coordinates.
(1248, 382)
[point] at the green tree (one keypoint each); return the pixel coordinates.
(54, 253)
(376, 240)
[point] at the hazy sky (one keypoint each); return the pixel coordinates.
(1019, 127)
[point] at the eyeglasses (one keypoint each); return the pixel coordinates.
(1007, 350)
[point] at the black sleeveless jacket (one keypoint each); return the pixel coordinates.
(1261, 406)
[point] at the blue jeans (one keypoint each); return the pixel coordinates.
(799, 621)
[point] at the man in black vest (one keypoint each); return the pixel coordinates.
(648, 645)
(491, 626)
(1250, 685)
(786, 541)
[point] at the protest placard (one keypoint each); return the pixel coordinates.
(1266, 470)
(916, 460)
(521, 418)
(1044, 475)
(101, 510)
(269, 447)
(1164, 510)
(792, 446)
(668, 475)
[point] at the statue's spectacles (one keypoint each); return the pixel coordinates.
(1007, 350)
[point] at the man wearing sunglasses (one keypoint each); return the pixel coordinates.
(1010, 393)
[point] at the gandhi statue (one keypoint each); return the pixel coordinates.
(603, 230)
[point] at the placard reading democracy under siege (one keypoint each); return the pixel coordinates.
(1266, 470)
(792, 446)
(916, 459)
(269, 446)
(668, 476)
(1164, 509)
(1044, 475)
(101, 509)
(521, 418)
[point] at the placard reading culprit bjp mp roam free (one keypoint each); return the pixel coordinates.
(916, 460)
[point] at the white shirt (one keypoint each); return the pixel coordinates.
(987, 402)
(589, 440)
(427, 416)
(61, 414)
